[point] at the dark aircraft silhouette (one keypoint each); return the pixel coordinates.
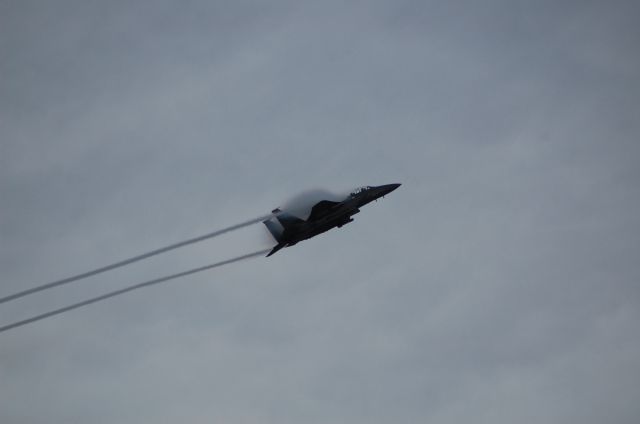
(325, 215)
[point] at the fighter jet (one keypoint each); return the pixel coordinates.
(288, 229)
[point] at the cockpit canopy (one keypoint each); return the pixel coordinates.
(360, 190)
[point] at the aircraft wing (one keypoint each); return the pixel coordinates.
(321, 208)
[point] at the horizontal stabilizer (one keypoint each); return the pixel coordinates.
(276, 248)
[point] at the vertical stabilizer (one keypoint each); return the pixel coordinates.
(274, 228)
(286, 219)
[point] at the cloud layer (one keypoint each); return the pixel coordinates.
(498, 284)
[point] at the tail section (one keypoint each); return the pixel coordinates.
(278, 227)
(276, 248)
(286, 219)
(275, 229)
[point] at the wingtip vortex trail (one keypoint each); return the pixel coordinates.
(130, 288)
(131, 260)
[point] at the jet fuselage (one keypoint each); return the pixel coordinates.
(324, 216)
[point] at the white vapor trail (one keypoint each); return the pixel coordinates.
(128, 289)
(131, 260)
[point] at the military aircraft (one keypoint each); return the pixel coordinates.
(288, 229)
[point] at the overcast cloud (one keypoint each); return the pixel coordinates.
(500, 283)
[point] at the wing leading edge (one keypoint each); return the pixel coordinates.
(321, 208)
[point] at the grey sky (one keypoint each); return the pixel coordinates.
(498, 284)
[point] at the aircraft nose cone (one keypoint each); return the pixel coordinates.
(388, 188)
(394, 186)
